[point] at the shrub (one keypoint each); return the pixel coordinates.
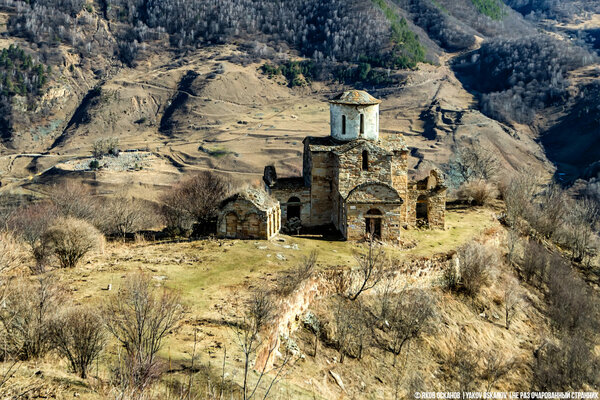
(11, 255)
(77, 335)
(94, 165)
(70, 239)
(450, 278)
(289, 282)
(105, 147)
(475, 260)
(477, 192)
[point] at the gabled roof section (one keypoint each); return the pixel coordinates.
(355, 98)
(259, 198)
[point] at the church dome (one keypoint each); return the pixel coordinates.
(355, 97)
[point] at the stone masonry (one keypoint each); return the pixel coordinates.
(353, 180)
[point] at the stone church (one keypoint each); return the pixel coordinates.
(353, 180)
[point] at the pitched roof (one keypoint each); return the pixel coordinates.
(259, 198)
(355, 97)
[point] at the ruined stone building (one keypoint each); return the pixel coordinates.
(355, 180)
(249, 214)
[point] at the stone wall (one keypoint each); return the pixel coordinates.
(357, 215)
(436, 206)
(283, 195)
(400, 172)
(350, 172)
(321, 201)
(436, 209)
(352, 114)
(241, 219)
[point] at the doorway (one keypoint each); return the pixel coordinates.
(422, 211)
(373, 222)
(293, 209)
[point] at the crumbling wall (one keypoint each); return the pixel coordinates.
(251, 222)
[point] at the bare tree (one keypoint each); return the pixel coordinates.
(72, 199)
(513, 239)
(512, 299)
(249, 336)
(519, 196)
(105, 147)
(70, 239)
(535, 263)
(25, 318)
(568, 365)
(122, 215)
(572, 306)
(77, 335)
(576, 230)
(472, 161)
(371, 269)
(140, 317)
(411, 313)
(290, 280)
(30, 223)
(194, 200)
(495, 367)
(464, 365)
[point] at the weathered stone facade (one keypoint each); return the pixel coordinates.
(357, 181)
(249, 214)
(353, 180)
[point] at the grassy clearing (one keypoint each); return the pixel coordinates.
(214, 277)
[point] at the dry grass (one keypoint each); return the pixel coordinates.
(215, 276)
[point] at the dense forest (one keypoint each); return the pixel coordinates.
(516, 77)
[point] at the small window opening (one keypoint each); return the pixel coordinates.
(343, 124)
(365, 160)
(362, 123)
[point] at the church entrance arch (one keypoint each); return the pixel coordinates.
(373, 221)
(293, 209)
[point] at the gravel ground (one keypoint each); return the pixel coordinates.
(125, 161)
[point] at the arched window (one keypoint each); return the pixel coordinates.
(293, 208)
(362, 123)
(365, 160)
